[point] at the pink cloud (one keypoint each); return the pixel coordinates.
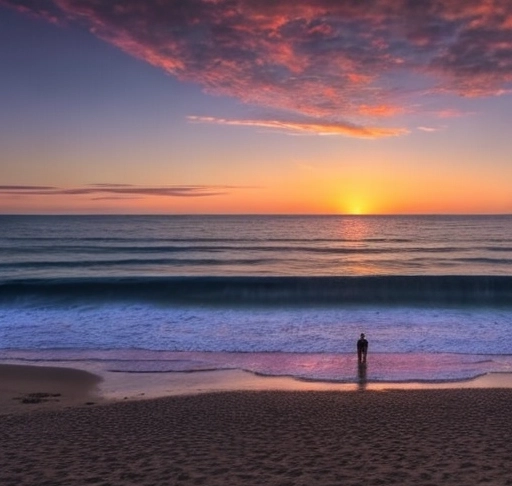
(380, 110)
(451, 113)
(428, 129)
(45, 9)
(307, 127)
(344, 63)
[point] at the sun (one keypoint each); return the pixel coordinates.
(355, 210)
(354, 205)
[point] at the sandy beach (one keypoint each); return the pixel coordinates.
(292, 436)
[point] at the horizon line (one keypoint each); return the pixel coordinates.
(260, 214)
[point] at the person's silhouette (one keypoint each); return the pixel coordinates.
(362, 349)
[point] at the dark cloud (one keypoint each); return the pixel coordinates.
(26, 188)
(115, 198)
(340, 61)
(103, 191)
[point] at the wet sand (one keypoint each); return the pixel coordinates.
(26, 388)
(276, 436)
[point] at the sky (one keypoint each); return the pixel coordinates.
(255, 106)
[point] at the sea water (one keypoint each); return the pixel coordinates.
(275, 295)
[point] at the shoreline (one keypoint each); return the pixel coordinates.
(29, 387)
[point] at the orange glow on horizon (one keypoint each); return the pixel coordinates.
(307, 190)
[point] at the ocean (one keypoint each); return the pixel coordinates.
(273, 295)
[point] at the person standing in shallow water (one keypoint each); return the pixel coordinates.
(362, 349)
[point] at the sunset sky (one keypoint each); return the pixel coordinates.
(255, 106)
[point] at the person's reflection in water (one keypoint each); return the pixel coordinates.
(361, 376)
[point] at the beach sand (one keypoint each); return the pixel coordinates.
(285, 437)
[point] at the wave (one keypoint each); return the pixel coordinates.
(149, 250)
(73, 249)
(336, 368)
(335, 248)
(135, 261)
(392, 290)
(124, 240)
